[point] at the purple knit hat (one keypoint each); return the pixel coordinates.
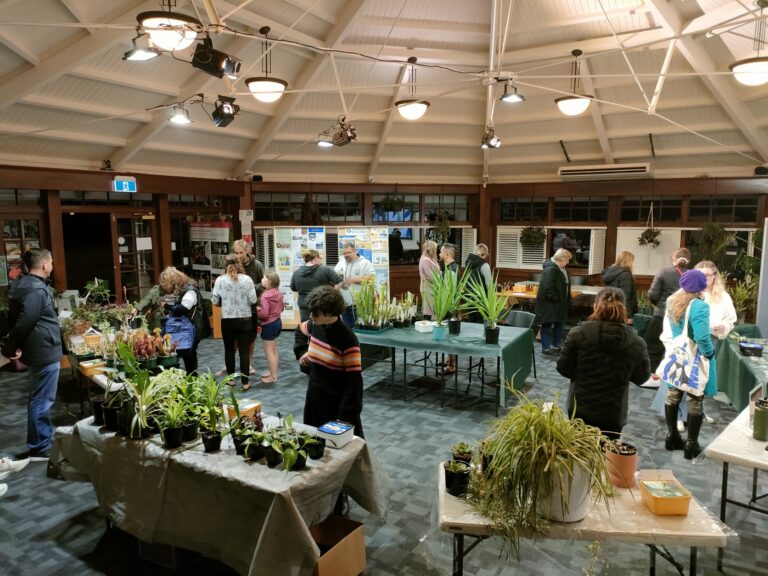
(693, 281)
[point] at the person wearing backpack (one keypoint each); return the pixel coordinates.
(479, 271)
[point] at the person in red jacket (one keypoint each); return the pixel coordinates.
(271, 306)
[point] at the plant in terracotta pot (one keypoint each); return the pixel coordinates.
(488, 303)
(622, 463)
(542, 466)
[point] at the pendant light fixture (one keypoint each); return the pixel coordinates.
(264, 88)
(142, 49)
(170, 30)
(576, 103)
(179, 115)
(511, 96)
(754, 71)
(412, 108)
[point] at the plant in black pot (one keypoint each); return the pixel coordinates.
(294, 458)
(255, 445)
(488, 303)
(171, 418)
(314, 445)
(111, 408)
(211, 397)
(462, 451)
(456, 477)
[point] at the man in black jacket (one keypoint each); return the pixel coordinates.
(35, 339)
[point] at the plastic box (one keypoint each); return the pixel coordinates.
(423, 326)
(664, 495)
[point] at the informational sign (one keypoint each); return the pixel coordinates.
(124, 184)
(289, 243)
(210, 246)
(372, 243)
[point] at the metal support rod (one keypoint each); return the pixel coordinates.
(723, 503)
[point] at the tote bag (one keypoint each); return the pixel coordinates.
(683, 366)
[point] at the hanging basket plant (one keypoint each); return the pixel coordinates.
(532, 236)
(650, 236)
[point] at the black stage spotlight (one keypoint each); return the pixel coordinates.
(225, 111)
(345, 134)
(214, 62)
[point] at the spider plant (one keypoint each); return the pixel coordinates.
(484, 300)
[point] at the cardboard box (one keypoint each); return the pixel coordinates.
(336, 433)
(663, 494)
(92, 367)
(342, 547)
(247, 408)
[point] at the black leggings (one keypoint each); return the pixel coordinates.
(651, 337)
(189, 355)
(237, 333)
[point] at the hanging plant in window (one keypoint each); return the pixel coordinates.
(650, 236)
(532, 236)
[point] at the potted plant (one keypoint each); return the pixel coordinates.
(255, 445)
(622, 463)
(314, 445)
(744, 296)
(456, 477)
(294, 458)
(444, 287)
(488, 303)
(211, 398)
(171, 418)
(542, 466)
(650, 237)
(462, 451)
(532, 235)
(644, 305)
(113, 401)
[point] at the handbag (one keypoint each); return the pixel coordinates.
(683, 366)
(182, 331)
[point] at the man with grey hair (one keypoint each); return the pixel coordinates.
(354, 269)
(35, 339)
(552, 301)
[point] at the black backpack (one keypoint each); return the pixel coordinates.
(200, 316)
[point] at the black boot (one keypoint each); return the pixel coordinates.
(692, 448)
(674, 441)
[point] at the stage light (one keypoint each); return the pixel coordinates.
(179, 115)
(214, 62)
(142, 50)
(225, 111)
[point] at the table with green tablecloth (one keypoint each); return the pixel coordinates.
(737, 375)
(640, 322)
(514, 347)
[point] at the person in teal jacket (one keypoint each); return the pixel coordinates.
(692, 283)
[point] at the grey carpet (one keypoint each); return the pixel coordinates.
(55, 527)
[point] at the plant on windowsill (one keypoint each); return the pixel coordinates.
(532, 235)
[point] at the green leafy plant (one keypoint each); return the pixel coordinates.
(530, 451)
(532, 235)
(456, 466)
(461, 449)
(643, 303)
(97, 291)
(172, 413)
(650, 237)
(486, 301)
(291, 452)
(444, 288)
(744, 295)
(710, 243)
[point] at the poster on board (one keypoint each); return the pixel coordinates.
(372, 243)
(210, 246)
(289, 243)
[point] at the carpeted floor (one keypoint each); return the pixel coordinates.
(54, 527)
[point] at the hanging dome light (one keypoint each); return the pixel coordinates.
(412, 109)
(266, 89)
(169, 30)
(508, 96)
(574, 104)
(751, 72)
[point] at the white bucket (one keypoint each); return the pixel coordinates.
(578, 500)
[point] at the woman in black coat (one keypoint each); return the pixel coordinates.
(620, 276)
(552, 301)
(602, 356)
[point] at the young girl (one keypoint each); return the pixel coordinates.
(270, 307)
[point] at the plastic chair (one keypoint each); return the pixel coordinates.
(522, 319)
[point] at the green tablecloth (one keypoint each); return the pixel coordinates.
(514, 347)
(640, 322)
(737, 374)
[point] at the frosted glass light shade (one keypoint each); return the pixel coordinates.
(751, 72)
(169, 30)
(412, 109)
(180, 116)
(266, 89)
(573, 105)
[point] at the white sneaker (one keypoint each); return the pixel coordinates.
(8, 466)
(680, 426)
(3, 489)
(708, 419)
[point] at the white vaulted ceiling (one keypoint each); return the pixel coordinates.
(67, 99)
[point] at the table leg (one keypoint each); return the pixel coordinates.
(405, 372)
(692, 568)
(393, 367)
(501, 397)
(723, 503)
(754, 486)
(458, 554)
(652, 566)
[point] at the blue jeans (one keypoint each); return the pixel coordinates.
(349, 316)
(551, 335)
(43, 381)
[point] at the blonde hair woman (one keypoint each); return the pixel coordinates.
(235, 292)
(620, 276)
(427, 267)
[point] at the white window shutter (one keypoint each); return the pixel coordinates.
(264, 246)
(507, 247)
(648, 260)
(596, 251)
(331, 247)
(467, 245)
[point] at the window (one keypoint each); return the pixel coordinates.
(191, 201)
(581, 209)
(648, 260)
(635, 209)
(15, 197)
(526, 210)
(340, 207)
(456, 205)
(269, 207)
(741, 209)
(18, 237)
(75, 198)
(395, 208)
(181, 245)
(510, 253)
